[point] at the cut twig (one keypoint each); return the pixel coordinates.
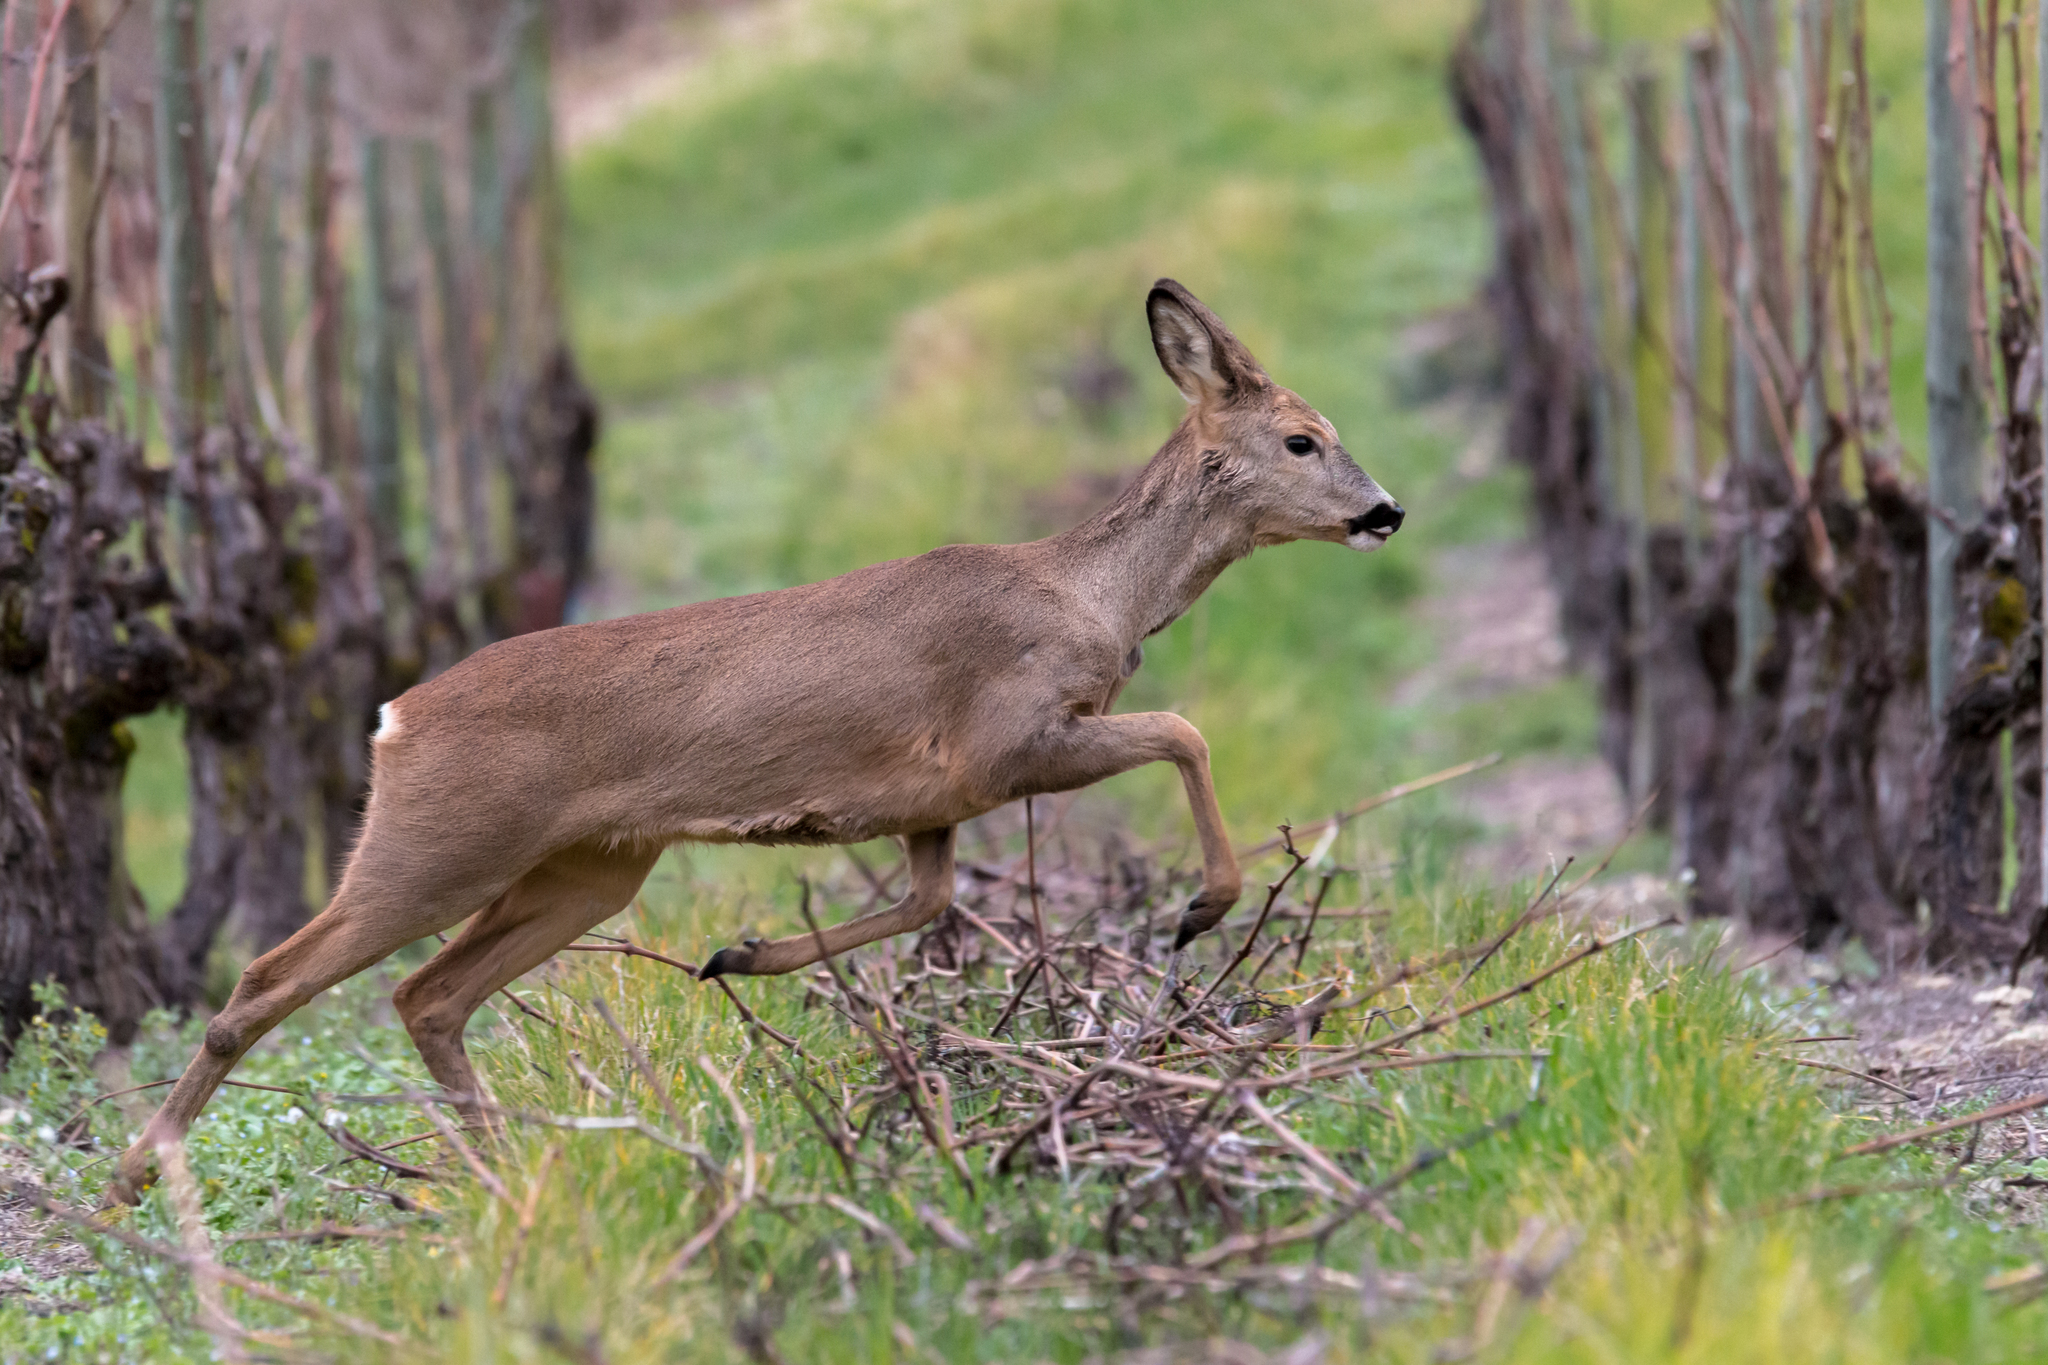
(1841, 1071)
(740, 1118)
(1315, 912)
(640, 1063)
(363, 1151)
(1273, 890)
(633, 950)
(880, 1230)
(1996, 1111)
(528, 1010)
(432, 1109)
(1002, 939)
(327, 1230)
(589, 1079)
(1438, 1022)
(168, 1080)
(1828, 1194)
(1521, 922)
(1386, 797)
(756, 1021)
(899, 1062)
(944, 1228)
(1298, 1145)
(20, 160)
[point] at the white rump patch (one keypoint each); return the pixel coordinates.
(387, 723)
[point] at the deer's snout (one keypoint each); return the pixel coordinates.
(1369, 529)
(1383, 520)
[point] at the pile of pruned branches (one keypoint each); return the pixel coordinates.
(1036, 1027)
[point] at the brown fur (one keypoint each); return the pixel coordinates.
(532, 785)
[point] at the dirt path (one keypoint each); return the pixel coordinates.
(1496, 621)
(33, 1249)
(602, 87)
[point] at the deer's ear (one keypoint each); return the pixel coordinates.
(1198, 353)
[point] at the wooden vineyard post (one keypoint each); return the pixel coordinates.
(254, 266)
(1649, 257)
(341, 742)
(86, 363)
(549, 419)
(1809, 84)
(323, 284)
(266, 242)
(458, 502)
(378, 361)
(1560, 68)
(1747, 418)
(487, 217)
(484, 344)
(184, 262)
(2041, 187)
(1689, 327)
(534, 326)
(1955, 416)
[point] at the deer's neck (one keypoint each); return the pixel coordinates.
(1144, 559)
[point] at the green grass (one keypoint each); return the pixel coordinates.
(1660, 1144)
(153, 796)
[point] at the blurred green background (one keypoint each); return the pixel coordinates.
(851, 290)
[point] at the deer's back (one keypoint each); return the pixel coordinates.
(873, 703)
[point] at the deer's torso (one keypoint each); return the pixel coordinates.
(896, 698)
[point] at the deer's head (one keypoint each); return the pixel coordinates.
(1266, 454)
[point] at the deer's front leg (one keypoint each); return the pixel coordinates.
(1090, 748)
(930, 853)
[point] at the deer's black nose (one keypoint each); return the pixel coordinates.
(1383, 520)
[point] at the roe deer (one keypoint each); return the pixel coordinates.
(532, 785)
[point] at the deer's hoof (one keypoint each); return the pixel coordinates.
(1204, 913)
(135, 1173)
(726, 960)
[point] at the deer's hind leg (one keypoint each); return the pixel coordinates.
(930, 854)
(543, 912)
(388, 898)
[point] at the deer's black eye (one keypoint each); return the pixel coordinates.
(1300, 445)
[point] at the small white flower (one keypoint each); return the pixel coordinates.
(334, 1118)
(294, 1114)
(46, 1133)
